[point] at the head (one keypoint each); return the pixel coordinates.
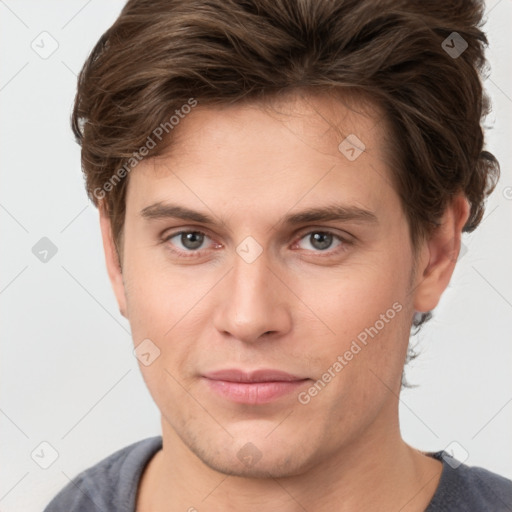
(283, 184)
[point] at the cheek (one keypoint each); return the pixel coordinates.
(155, 298)
(163, 307)
(158, 308)
(361, 301)
(357, 365)
(367, 307)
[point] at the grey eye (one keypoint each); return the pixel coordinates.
(189, 240)
(319, 240)
(192, 240)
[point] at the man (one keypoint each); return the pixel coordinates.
(282, 188)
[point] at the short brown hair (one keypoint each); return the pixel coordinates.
(420, 61)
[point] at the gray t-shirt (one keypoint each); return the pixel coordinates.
(111, 485)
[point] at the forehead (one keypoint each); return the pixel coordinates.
(270, 156)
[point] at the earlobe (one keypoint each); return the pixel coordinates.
(440, 256)
(112, 260)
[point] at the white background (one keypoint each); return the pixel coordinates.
(68, 376)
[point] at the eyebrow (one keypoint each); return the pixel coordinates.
(333, 212)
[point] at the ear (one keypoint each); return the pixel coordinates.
(439, 256)
(112, 259)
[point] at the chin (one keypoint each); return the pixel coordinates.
(265, 458)
(270, 468)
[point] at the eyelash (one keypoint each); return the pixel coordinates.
(198, 253)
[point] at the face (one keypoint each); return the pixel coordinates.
(260, 243)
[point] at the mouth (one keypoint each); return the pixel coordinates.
(255, 387)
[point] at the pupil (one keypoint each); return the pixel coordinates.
(321, 240)
(192, 240)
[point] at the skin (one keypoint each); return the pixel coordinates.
(296, 308)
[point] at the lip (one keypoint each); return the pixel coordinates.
(254, 387)
(262, 375)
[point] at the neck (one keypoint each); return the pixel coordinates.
(378, 470)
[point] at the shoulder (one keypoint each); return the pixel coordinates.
(469, 489)
(109, 485)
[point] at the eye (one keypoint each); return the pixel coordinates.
(320, 241)
(187, 241)
(193, 243)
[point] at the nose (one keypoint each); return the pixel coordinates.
(255, 302)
